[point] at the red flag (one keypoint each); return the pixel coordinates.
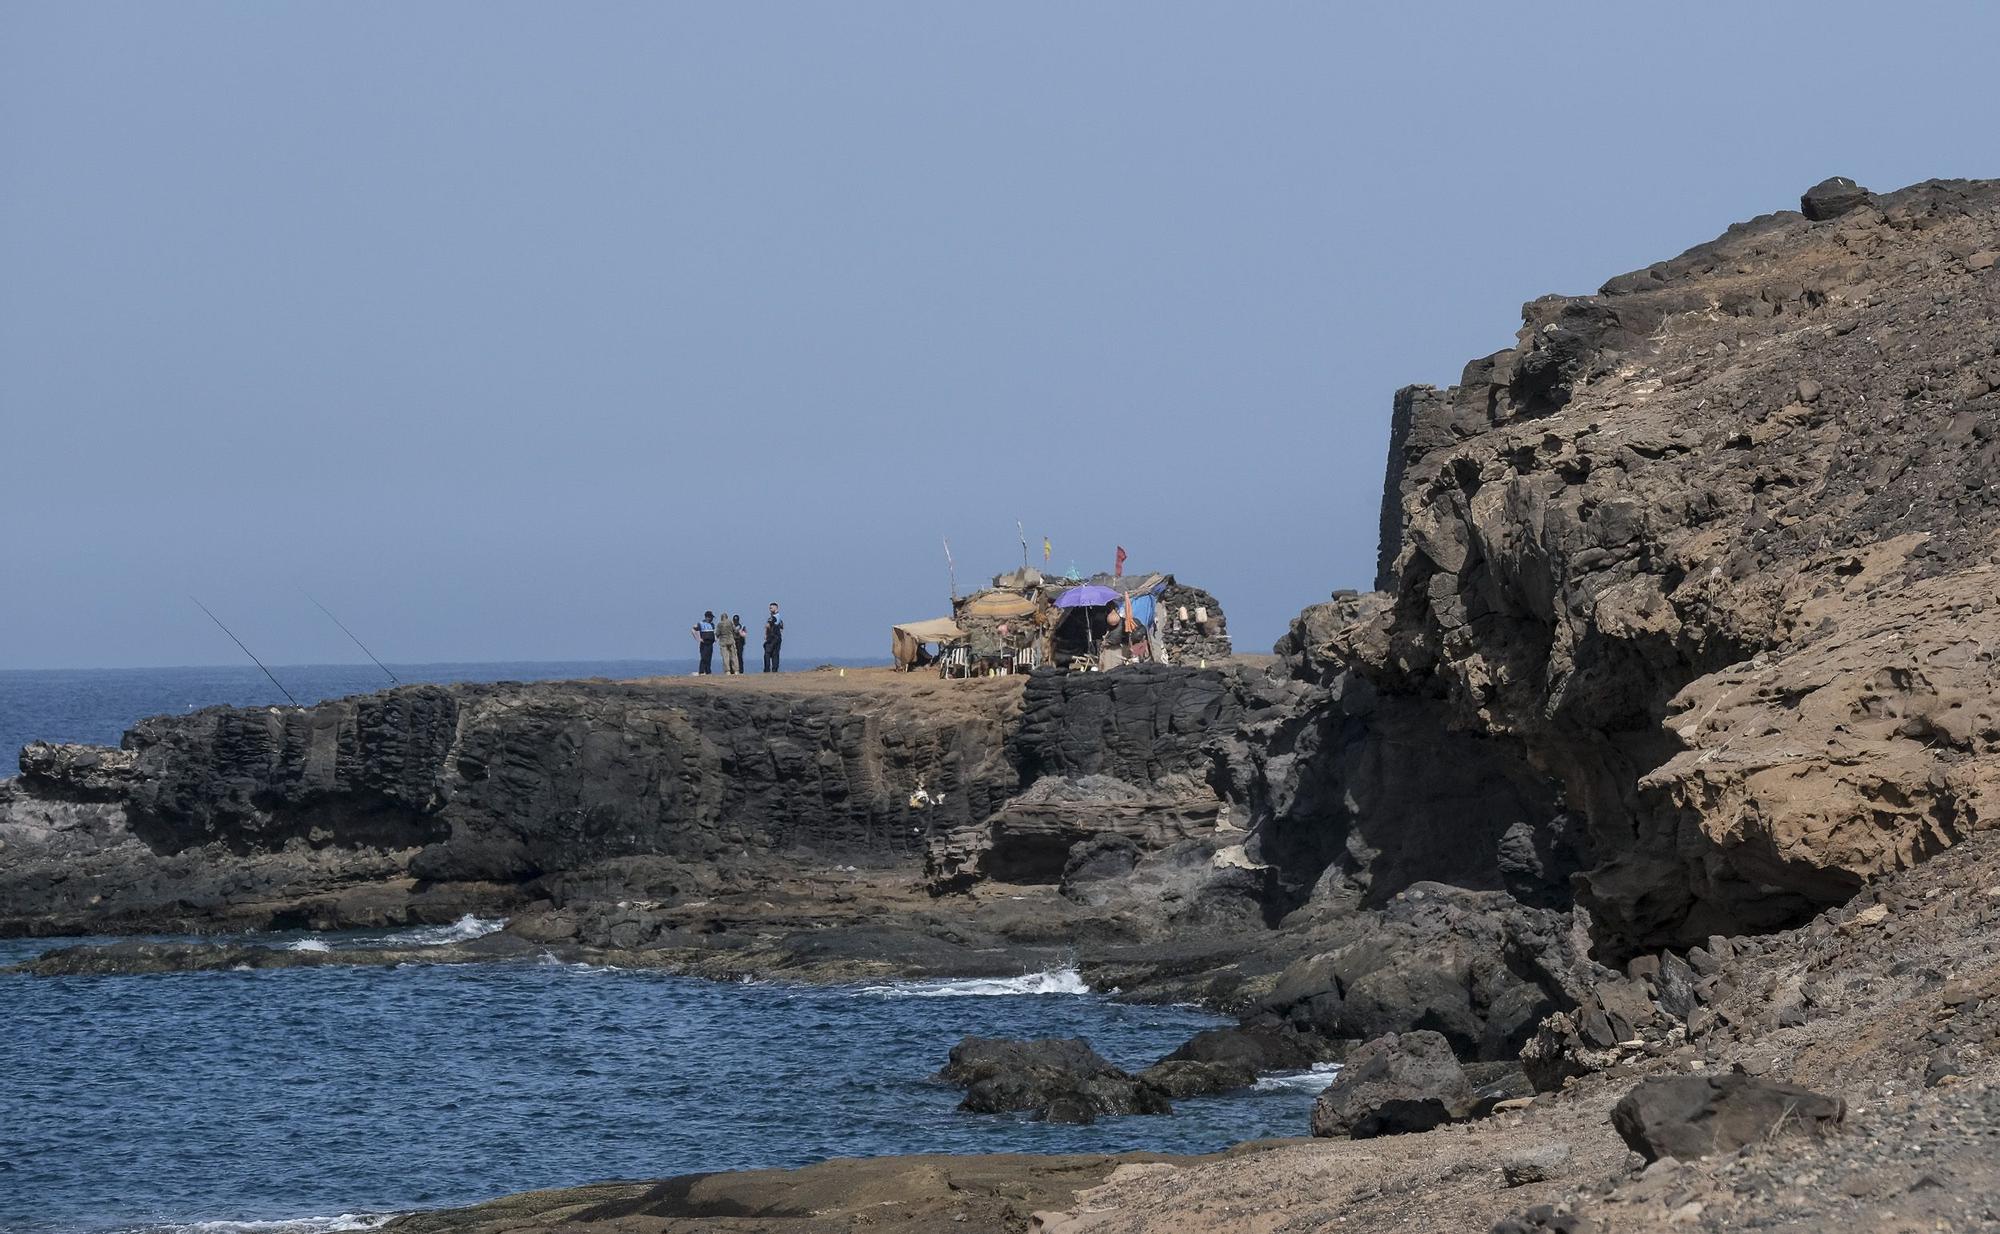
(1118, 567)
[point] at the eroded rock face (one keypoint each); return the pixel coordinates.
(1712, 548)
(350, 812)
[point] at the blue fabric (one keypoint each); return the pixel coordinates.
(1142, 609)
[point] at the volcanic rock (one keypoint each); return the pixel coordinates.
(1833, 197)
(1742, 629)
(1686, 1117)
(1061, 1080)
(1394, 1084)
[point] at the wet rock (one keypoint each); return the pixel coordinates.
(1178, 1078)
(1053, 1077)
(1257, 1048)
(1686, 1117)
(1392, 1085)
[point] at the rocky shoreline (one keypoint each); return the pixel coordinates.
(1653, 773)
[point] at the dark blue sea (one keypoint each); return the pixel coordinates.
(303, 1100)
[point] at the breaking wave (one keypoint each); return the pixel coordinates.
(464, 930)
(1054, 981)
(1311, 1081)
(308, 944)
(293, 1225)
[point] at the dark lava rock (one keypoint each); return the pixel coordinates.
(1477, 967)
(1687, 1117)
(1179, 1078)
(1052, 1077)
(1395, 1084)
(1833, 197)
(1257, 1048)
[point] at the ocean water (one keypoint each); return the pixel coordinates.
(335, 1094)
(98, 705)
(323, 1099)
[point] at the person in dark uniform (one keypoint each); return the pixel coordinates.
(742, 638)
(774, 638)
(704, 633)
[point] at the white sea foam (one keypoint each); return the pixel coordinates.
(1054, 981)
(1310, 1081)
(464, 930)
(290, 1225)
(308, 944)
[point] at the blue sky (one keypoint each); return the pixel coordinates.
(522, 331)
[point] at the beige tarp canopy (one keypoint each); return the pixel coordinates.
(910, 637)
(999, 604)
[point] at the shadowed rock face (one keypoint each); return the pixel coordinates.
(1712, 548)
(224, 814)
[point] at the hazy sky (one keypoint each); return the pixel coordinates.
(520, 331)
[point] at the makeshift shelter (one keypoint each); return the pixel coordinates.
(911, 640)
(1027, 619)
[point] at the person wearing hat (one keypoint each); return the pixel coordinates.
(704, 633)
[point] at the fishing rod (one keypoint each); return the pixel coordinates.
(246, 651)
(350, 634)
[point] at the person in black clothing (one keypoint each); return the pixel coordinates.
(774, 638)
(704, 633)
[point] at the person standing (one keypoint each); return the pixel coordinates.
(704, 634)
(732, 655)
(742, 639)
(774, 638)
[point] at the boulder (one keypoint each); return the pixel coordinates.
(1534, 1165)
(1833, 197)
(1477, 967)
(1687, 1117)
(1257, 1048)
(1055, 1078)
(1394, 1084)
(1179, 1078)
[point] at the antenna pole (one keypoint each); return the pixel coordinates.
(246, 651)
(1023, 533)
(350, 634)
(951, 567)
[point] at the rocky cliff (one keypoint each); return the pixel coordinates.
(1713, 548)
(422, 801)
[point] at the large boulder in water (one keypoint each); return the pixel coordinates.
(1257, 1047)
(1399, 1083)
(1060, 1079)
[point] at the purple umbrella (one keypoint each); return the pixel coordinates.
(1087, 596)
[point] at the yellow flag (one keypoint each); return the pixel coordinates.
(1047, 548)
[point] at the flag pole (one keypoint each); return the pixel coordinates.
(952, 568)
